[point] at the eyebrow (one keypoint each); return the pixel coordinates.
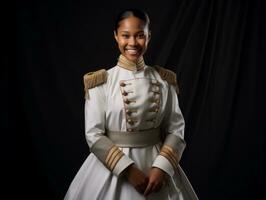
(136, 32)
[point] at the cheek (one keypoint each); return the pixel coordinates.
(143, 43)
(121, 43)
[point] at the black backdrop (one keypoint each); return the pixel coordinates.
(217, 49)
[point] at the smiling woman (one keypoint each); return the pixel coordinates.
(133, 126)
(132, 34)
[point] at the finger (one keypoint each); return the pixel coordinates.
(148, 189)
(144, 185)
(146, 181)
(141, 187)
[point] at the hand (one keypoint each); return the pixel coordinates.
(157, 178)
(137, 178)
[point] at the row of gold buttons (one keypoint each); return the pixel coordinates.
(156, 90)
(127, 101)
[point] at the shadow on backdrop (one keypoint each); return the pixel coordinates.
(217, 49)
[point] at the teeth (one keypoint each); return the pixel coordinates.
(132, 50)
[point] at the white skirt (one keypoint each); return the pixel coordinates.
(95, 182)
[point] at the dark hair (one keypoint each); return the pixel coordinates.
(142, 15)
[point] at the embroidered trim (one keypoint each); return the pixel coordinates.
(130, 65)
(113, 156)
(172, 156)
(93, 79)
(168, 76)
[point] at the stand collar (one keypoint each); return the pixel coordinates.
(130, 65)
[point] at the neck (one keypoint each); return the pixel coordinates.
(130, 65)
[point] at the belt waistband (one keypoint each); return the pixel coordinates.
(136, 138)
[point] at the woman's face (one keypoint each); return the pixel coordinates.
(132, 37)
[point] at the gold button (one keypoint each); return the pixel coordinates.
(122, 84)
(130, 121)
(127, 101)
(124, 93)
(128, 112)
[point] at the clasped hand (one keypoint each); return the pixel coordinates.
(146, 185)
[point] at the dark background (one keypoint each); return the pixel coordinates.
(217, 49)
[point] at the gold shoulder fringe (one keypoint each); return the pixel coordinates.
(168, 75)
(93, 79)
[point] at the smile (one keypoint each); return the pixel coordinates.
(132, 51)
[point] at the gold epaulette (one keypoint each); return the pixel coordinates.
(168, 75)
(93, 79)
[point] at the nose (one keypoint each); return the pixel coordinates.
(132, 41)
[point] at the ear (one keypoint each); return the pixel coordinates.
(149, 35)
(115, 35)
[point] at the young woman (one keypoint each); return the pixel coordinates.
(134, 126)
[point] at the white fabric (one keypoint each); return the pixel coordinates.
(163, 163)
(106, 110)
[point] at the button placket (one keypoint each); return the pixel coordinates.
(127, 99)
(142, 101)
(155, 89)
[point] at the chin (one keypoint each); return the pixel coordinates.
(133, 57)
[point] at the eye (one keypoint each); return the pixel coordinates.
(125, 36)
(141, 35)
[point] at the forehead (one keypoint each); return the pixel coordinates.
(132, 24)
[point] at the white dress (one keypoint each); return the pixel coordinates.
(106, 109)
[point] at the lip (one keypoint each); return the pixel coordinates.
(133, 51)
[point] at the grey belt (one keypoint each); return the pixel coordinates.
(136, 138)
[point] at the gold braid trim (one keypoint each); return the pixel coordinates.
(168, 75)
(93, 79)
(114, 155)
(110, 153)
(130, 65)
(172, 156)
(115, 161)
(166, 155)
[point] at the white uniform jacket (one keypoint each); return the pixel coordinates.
(131, 101)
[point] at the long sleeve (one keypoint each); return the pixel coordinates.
(100, 145)
(173, 127)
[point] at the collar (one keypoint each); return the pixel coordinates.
(130, 65)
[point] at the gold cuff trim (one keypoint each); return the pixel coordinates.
(162, 153)
(110, 153)
(116, 159)
(170, 158)
(169, 153)
(113, 156)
